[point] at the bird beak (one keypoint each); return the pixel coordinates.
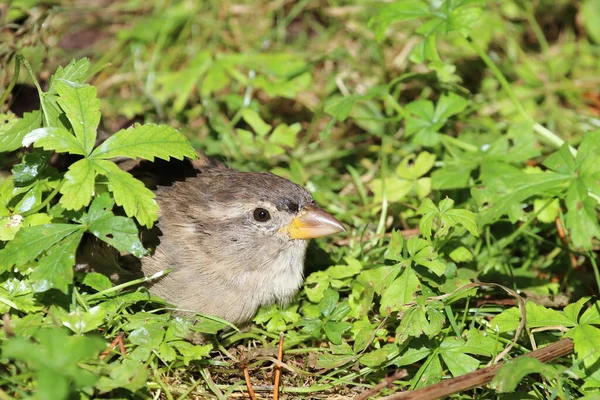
(312, 222)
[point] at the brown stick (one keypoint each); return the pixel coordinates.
(116, 341)
(278, 368)
(480, 377)
(248, 383)
(565, 242)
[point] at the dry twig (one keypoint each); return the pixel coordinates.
(482, 376)
(278, 368)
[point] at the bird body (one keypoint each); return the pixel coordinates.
(235, 240)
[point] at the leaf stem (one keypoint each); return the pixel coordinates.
(594, 267)
(459, 143)
(46, 201)
(13, 81)
(541, 130)
(127, 284)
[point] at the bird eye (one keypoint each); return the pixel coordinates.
(261, 215)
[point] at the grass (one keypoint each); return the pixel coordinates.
(457, 144)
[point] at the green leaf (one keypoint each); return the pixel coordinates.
(448, 106)
(216, 78)
(57, 139)
(129, 193)
(340, 106)
(422, 253)
(591, 315)
(573, 310)
(330, 300)
(97, 281)
(430, 373)
(31, 169)
(561, 161)
(146, 141)
(335, 330)
(587, 344)
(537, 317)
(452, 352)
(76, 71)
(285, 135)
(129, 374)
(191, 352)
(412, 167)
(260, 127)
(590, 11)
(582, 218)
(401, 291)
(78, 186)
(394, 249)
(55, 268)
(447, 216)
(512, 373)
(11, 139)
(31, 241)
(57, 361)
(81, 321)
(505, 192)
(379, 356)
(119, 232)
(398, 11)
(147, 337)
(82, 108)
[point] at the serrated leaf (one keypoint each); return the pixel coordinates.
(52, 113)
(422, 253)
(119, 232)
(81, 321)
(335, 330)
(379, 356)
(510, 191)
(340, 107)
(31, 241)
(394, 249)
(401, 291)
(588, 153)
(512, 373)
(12, 138)
(252, 118)
(129, 193)
(55, 268)
(398, 11)
(591, 315)
(57, 139)
(573, 310)
(56, 360)
(582, 218)
(330, 300)
(285, 135)
(76, 71)
(146, 141)
(78, 188)
(31, 169)
(459, 363)
(82, 108)
(449, 104)
(561, 161)
(216, 78)
(97, 281)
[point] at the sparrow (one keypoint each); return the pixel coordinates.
(235, 241)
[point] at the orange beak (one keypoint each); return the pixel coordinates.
(312, 222)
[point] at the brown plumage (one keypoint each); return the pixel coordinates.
(236, 240)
